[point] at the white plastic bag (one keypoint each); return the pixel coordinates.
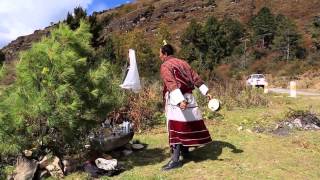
(132, 80)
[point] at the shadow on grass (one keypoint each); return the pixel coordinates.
(211, 151)
(146, 157)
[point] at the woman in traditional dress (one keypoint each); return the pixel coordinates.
(184, 120)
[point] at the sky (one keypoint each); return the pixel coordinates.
(23, 17)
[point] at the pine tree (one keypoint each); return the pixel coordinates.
(95, 30)
(234, 32)
(205, 46)
(107, 51)
(59, 95)
(216, 42)
(287, 39)
(315, 29)
(74, 20)
(192, 43)
(264, 26)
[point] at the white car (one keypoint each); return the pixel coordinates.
(256, 80)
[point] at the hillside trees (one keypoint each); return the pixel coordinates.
(316, 33)
(108, 50)
(207, 45)
(264, 27)
(73, 20)
(287, 39)
(278, 33)
(163, 34)
(96, 29)
(149, 63)
(58, 95)
(192, 43)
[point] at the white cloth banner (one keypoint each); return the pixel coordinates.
(132, 80)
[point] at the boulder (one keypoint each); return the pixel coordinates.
(137, 146)
(105, 144)
(25, 168)
(55, 169)
(127, 152)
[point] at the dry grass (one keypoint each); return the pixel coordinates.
(235, 94)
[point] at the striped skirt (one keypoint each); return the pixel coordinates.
(186, 127)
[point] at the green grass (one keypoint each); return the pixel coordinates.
(235, 154)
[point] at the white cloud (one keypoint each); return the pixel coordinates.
(22, 17)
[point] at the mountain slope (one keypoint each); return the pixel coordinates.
(148, 14)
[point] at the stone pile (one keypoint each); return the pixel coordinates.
(299, 121)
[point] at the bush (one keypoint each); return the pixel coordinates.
(58, 95)
(6, 171)
(3, 71)
(235, 94)
(145, 109)
(2, 58)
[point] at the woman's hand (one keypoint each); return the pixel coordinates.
(183, 105)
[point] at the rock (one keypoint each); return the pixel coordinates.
(127, 152)
(44, 174)
(107, 165)
(67, 168)
(137, 146)
(41, 174)
(282, 131)
(128, 146)
(110, 143)
(92, 169)
(44, 162)
(249, 131)
(55, 169)
(121, 163)
(27, 153)
(142, 19)
(297, 123)
(25, 168)
(10, 177)
(70, 164)
(107, 156)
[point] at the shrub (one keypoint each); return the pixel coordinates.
(3, 71)
(235, 94)
(58, 95)
(147, 108)
(2, 58)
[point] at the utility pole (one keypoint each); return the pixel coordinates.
(288, 45)
(245, 40)
(245, 52)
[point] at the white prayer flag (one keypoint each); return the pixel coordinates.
(132, 80)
